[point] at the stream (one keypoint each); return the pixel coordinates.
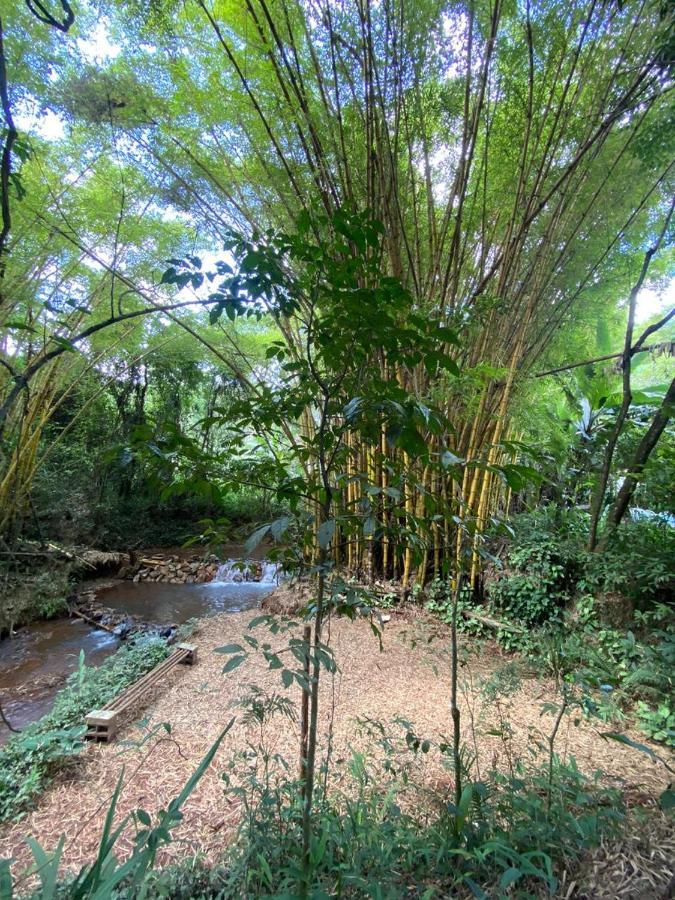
(36, 661)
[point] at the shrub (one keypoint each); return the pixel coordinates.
(659, 723)
(638, 562)
(620, 667)
(557, 595)
(549, 546)
(528, 599)
(28, 759)
(538, 572)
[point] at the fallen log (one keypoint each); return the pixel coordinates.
(492, 623)
(90, 621)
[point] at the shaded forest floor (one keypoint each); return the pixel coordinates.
(409, 680)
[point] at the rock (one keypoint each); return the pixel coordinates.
(124, 628)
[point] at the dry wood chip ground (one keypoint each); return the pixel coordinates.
(402, 680)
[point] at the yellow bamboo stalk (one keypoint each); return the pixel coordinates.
(420, 576)
(350, 500)
(372, 479)
(384, 480)
(498, 431)
(410, 509)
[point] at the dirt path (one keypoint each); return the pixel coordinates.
(198, 702)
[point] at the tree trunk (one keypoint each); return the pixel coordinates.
(642, 454)
(454, 706)
(598, 498)
(304, 712)
(310, 765)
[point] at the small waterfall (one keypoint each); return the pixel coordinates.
(236, 571)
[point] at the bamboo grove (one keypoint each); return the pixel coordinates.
(495, 148)
(509, 151)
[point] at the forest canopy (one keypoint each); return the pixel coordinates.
(518, 160)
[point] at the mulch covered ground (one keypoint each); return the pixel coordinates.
(408, 679)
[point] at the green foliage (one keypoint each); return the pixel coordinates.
(385, 835)
(617, 667)
(380, 833)
(638, 563)
(532, 585)
(52, 606)
(538, 574)
(296, 652)
(577, 611)
(658, 723)
(190, 879)
(530, 599)
(439, 598)
(28, 759)
(548, 552)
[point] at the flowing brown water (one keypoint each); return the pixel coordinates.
(174, 604)
(35, 662)
(38, 659)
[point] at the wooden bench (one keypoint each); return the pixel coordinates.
(102, 723)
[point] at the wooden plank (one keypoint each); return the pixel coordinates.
(154, 676)
(102, 723)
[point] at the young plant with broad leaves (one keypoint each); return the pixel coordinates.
(336, 395)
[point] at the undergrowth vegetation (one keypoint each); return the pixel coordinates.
(26, 596)
(28, 759)
(599, 620)
(386, 834)
(389, 834)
